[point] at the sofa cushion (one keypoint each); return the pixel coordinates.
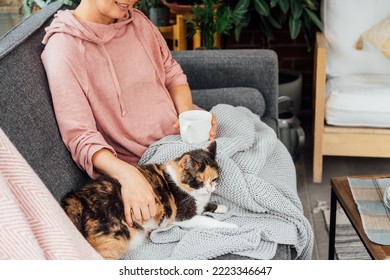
(378, 37)
(358, 100)
(344, 22)
(236, 96)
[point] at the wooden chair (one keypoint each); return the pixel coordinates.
(332, 140)
(177, 31)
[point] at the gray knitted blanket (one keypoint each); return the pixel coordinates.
(257, 183)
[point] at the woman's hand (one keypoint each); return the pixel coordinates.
(138, 197)
(213, 130)
(137, 194)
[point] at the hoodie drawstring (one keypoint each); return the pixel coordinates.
(116, 83)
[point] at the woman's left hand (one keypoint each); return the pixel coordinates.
(213, 130)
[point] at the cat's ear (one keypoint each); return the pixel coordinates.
(212, 149)
(187, 163)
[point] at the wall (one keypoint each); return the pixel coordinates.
(10, 2)
(292, 54)
(9, 15)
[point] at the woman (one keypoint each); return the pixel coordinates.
(116, 89)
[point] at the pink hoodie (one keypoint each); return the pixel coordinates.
(109, 85)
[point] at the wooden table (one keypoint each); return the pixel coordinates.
(341, 192)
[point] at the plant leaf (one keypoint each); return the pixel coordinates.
(275, 22)
(237, 32)
(312, 5)
(224, 20)
(314, 19)
(242, 5)
(261, 7)
(243, 23)
(295, 27)
(240, 12)
(264, 27)
(296, 8)
(284, 5)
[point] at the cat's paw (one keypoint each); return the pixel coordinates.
(221, 209)
(228, 225)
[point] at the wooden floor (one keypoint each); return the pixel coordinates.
(311, 193)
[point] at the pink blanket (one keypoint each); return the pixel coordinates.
(32, 223)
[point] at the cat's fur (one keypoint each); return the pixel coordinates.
(182, 188)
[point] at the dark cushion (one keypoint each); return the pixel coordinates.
(237, 96)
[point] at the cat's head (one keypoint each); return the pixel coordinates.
(197, 170)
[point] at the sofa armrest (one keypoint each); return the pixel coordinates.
(210, 69)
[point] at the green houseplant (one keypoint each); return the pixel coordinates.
(156, 11)
(145, 5)
(210, 20)
(300, 15)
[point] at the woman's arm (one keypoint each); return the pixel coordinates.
(68, 82)
(182, 98)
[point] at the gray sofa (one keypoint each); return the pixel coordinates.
(238, 77)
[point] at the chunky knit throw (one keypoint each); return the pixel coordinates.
(257, 183)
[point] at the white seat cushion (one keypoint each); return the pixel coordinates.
(345, 21)
(358, 100)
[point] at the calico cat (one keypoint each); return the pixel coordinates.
(182, 188)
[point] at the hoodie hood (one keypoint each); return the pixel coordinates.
(65, 22)
(100, 34)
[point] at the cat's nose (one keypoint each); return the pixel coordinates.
(209, 188)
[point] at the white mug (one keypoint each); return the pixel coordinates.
(195, 126)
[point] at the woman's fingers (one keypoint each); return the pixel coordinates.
(140, 210)
(137, 215)
(128, 218)
(213, 129)
(152, 208)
